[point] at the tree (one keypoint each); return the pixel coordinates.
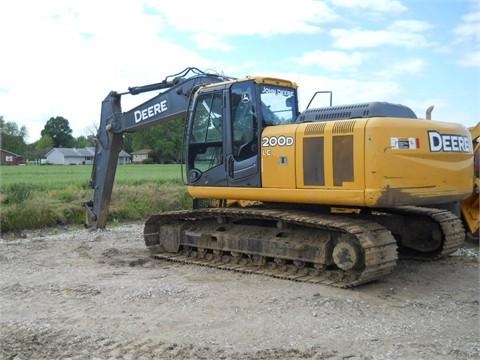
(164, 140)
(12, 138)
(82, 141)
(128, 142)
(39, 148)
(58, 129)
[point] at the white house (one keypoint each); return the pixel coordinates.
(140, 155)
(84, 156)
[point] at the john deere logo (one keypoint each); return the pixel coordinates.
(448, 143)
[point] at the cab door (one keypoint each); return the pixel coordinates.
(242, 137)
(206, 141)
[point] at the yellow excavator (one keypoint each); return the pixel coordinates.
(328, 195)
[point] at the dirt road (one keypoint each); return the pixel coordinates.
(98, 295)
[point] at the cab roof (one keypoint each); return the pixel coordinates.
(258, 80)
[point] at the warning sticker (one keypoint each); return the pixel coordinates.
(404, 143)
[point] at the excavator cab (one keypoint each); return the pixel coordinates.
(225, 127)
(225, 119)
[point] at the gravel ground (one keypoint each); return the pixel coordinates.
(77, 294)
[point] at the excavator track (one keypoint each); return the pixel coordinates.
(295, 245)
(450, 230)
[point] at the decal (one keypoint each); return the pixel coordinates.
(404, 143)
(277, 91)
(245, 97)
(150, 111)
(448, 142)
(269, 141)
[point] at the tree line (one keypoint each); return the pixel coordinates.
(164, 141)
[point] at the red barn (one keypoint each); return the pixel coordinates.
(10, 158)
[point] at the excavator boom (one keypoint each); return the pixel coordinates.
(172, 103)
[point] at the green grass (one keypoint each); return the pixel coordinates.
(39, 196)
(57, 176)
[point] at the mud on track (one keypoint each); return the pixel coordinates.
(79, 294)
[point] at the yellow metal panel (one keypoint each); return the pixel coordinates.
(273, 81)
(401, 168)
(471, 210)
(315, 131)
(470, 206)
(328, 130)
(299, 196)
(278, 157)
(328, 155)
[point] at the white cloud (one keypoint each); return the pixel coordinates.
(50, 67)
(378, 6)
(345, 90)
(467, 34)
(246, 17)
(332, 60)
(402, 68)
(206, 41)
(412, 26)
(351, 91)
(469, 29)
(470, 59)
(402, 33)
(213, 19)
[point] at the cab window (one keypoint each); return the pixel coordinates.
(244, 122)
(278, 105)
(206, 144)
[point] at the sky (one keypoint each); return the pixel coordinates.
(62, 57)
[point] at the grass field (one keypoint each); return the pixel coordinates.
(38, 196)
(60, 176)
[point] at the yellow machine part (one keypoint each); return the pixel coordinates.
(470, 206)
(373, 162)
(408, 171)
(470, 210)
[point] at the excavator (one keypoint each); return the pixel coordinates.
(331, 195)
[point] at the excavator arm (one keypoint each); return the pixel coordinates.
(171, 103)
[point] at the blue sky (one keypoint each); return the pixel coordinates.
(62, 57)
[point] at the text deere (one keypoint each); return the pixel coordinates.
(448, 142)
(150, 111)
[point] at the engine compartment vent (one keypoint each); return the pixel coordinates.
(315, 129)
(364, 110)
(343, 127)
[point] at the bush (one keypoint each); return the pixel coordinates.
(148, 161)
(17, 193)
(137, 202)
(39, 214)
(28, 207)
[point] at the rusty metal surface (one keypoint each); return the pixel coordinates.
(391, 197)
(309, 259)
